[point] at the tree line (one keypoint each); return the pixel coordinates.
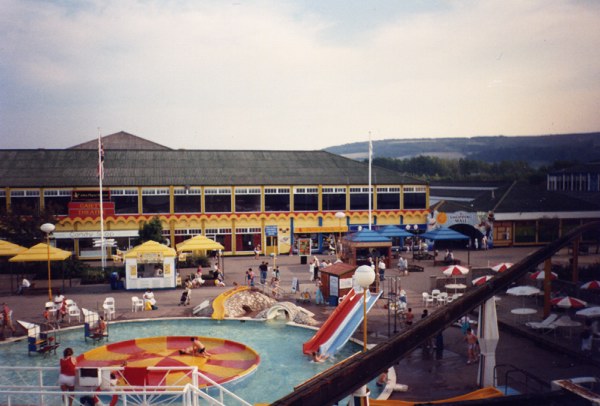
(431, 168)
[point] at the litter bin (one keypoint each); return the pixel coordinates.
(114, 278)
(303, 259)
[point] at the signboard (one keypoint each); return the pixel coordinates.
(333, 286)
(89, 195)
(149, 258)
(346, 283)
(304, 245)
(324, 229)
(271, 231)
(90, 209)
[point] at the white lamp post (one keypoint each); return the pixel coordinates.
(48, 228)
(340, 215)
(364, 276)
(274, 259)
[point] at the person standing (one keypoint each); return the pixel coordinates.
(7, 319)
(263, 268)
(471, 340)
(25, 284)
(409, 317)
(484, 242)
(319, 293)
(381, 267)
(66, 379)
(256, 251)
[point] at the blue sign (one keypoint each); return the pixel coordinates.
(271, 231)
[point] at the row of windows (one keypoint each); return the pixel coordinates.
(220, 200)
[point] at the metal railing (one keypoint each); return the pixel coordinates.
(37, 386)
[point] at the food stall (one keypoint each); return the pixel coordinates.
(150, 266)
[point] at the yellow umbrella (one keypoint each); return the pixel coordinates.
(39, 252)
(150, 247)
(199, 243)
(8, 249)
(42, 252)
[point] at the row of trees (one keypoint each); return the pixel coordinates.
(430, 168)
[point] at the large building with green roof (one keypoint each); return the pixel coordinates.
(239, 198)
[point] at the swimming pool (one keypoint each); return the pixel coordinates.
(283, 365)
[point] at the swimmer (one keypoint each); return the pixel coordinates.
(196, 348)
(318, 357)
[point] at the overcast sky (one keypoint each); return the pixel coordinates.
(295, 74)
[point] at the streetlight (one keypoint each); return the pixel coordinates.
(48, 228)
(340, 215)
(274, 260)
(364, 276)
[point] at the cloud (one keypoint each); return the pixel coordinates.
(275, 75)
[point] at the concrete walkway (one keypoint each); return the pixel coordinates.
(427, 377)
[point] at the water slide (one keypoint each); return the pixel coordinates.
(332, 323)
(348, 326)
(219, 302)
(484, 393)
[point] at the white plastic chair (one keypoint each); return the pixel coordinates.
(109, 312)
(137, 304)
(428, 299)
(110, 302)
(434, 294)
(73, 311)
(442, 298)
(52, 309)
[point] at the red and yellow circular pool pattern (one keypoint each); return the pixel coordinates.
(229, 360)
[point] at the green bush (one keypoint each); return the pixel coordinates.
(93, 275)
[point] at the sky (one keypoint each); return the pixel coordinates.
(295, 75)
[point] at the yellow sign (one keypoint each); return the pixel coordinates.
(167, 270)
(133, 271)
(330, 229)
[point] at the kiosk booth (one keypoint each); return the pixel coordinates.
(337, 281)
(150, 266)
(359, 246)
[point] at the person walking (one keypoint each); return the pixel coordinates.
(319, 294)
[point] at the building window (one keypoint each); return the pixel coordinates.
(217, 200)
(57, 202)
(247, 199)
(334, 198)
(2, 201)
(25, 202)
(306, 199)
(247, 238)
(125, 200)
(220, 235)
(415, 197)
(277, 199)
(155, 200)
(524, 231)
(187, 200)
(388, 198)
(359, 198)
(548, 230)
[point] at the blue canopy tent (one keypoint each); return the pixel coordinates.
(446, 234)
(396, 233)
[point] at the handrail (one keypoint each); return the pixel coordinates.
(528, 376)
(350, 375)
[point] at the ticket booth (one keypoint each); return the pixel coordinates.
(337, 281)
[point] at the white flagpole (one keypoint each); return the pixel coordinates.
(370, 162)
(100, 176)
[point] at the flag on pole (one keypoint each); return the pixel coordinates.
(100, 173)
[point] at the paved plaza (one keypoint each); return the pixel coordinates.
(548, 357)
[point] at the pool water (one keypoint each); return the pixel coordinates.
(282, 367)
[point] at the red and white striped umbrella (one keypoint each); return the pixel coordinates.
(501, 267)
(481, 280)
(591, 285)
(455, 270)
(568, 302)
(540, 275)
